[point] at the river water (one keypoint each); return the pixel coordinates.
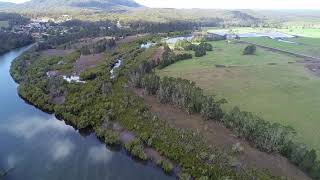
(36, 146)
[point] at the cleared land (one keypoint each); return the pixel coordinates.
(4, 24)
(267, 83)
(216, 135)
(304, 32)
(304, 46)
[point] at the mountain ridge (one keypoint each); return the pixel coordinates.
(82, 4)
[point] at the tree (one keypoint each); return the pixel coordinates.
(206, 46)
(309, 161)
(200, 51)
(250, 50)
(183, 45)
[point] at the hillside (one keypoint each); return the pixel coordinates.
(40, 5)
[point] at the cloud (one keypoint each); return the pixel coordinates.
(99, 154)
(12, 161)
(61, 149)
(32, 126)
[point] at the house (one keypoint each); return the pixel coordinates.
(221, 36)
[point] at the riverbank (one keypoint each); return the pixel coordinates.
(103, 101)
(27, 132)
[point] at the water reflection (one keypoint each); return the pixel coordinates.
(38, 146)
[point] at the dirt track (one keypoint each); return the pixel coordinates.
(218, 136)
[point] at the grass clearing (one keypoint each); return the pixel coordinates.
(4, 24)
(298, 31)
(264, 83)
(305, 46)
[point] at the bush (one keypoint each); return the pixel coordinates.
(151, 83)
(135, 147)
(179, 56)
(206, 46)
(199, 51)
(183, 45)
(111, 137)
(166, 165)
(184, 176)
(89, 74)
(250, 50)
(211, 109)
(268, 137)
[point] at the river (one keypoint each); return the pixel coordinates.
(37, 146)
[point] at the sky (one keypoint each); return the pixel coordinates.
(226, 4)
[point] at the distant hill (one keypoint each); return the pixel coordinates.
(65, 4)
(6, 5)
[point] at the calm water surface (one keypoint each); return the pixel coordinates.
(37, 146)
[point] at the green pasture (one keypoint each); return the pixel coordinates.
(267, 83)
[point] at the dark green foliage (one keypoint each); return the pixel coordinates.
(183, 94)
(35, 96)
(206, 46)
(11, 40)
(136, 148)
(211, 109)
(199, 51)
(167, 57)
(181, 55)
(315, 172)
(166, 165)
(102, 100)
(250, 50)
(98, 47)
(309, 161)
(13, 19)
(88, 75)
(111, 138)
(151, 83)
(265, 135)
(170, 57)
(183, 45)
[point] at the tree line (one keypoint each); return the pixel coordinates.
(10, 40)
(264, 135)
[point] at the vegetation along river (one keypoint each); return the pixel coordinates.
(35, 145)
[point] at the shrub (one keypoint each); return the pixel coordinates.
(151, 83)
(136, 149)
(250, 50)
(183, 45)
(166, 165)
(184, 176)
(178, 56)
(211, 109)
(199, 51)
(206, 46)
(111, 137)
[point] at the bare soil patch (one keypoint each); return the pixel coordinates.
(217, 135)
(58, 100)
(55, 52)
(126, 137)
(88, 41)
(128, 39)
(87, 61)
(314, 68)
(158, 55)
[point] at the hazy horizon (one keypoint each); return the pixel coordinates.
(226, 4)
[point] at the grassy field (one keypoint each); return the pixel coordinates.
(305, 46)
(4, 24)
(305, 32)
(264, 83)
